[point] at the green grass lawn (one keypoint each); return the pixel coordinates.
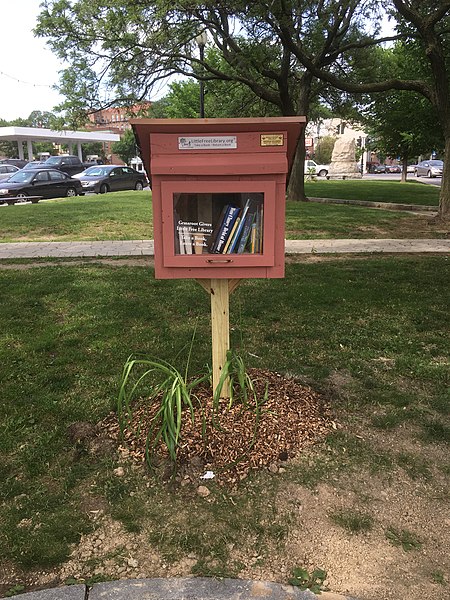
(66, 331)
(309, 220)
(128, 215)
(410, 192)
(115, 216)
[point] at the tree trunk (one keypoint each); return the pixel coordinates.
(296, 185)
(444, 197)
(404, 169)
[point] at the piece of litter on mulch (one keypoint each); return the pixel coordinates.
(208, 475)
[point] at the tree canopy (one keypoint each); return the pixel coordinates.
(126, 146)
(36, 118)
(288, 53)
(404, 124)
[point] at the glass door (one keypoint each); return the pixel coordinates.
(228, 223)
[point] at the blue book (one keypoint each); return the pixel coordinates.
(238, 232)
(226, 227)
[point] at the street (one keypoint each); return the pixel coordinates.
(396, 176)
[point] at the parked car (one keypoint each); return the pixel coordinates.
(411, 168)
(17, 162)
(7, 170)
(34, 164)
(312, 168)
(47, 183)
(393, 168)
(67, 163)
(377, 169)
(429, 168)
(111, 178)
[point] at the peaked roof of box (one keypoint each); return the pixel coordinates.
(143, 128)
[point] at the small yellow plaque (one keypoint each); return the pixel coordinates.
(272, 139)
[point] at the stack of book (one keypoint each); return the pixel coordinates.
(239, 230)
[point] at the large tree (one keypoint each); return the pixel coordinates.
(126, 147)
(423, 27)
(125, 47)
(183, 101)
(278, 48)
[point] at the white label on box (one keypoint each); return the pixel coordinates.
(217, 142)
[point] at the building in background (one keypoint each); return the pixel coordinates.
(116, 120)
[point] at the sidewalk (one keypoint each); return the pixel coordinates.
(188, 588)
(146, 247)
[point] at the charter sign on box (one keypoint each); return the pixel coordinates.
(207, 142)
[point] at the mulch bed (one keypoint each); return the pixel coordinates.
(243, 439)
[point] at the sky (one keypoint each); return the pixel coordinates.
(28, 69)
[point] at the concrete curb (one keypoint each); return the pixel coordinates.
(372, 204)
(187, 588)
(365, 246)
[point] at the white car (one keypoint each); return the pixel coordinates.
(312, 168)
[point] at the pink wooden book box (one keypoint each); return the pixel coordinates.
(218, 190)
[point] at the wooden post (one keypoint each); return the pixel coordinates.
(220, 290)
(220, 327)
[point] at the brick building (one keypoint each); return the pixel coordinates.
(115, 120)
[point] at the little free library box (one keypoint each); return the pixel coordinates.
(218, 190)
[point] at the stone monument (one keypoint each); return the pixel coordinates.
(343, 160)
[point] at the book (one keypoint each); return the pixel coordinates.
(185, 240)
(254, 244)
(246, 230)
(230, 237)
(237, 233)
(198, 242)
(260, 230)
(226, 228)
(199, 232)
(253, 238)
(215, 233)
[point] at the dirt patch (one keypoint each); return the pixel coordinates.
(365, 565)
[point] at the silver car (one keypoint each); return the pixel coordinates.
(7, 170)
(429, 168)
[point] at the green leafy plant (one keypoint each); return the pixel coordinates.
(302, 579)
(242, 389)
(404, 538)
(167, 386)
(310, 174)
(174, 394)
(241, 384)
(438, 577)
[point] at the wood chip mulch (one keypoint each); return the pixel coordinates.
(293, 417)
